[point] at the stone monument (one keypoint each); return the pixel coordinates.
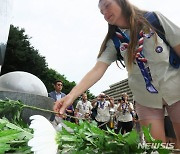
(27, 88)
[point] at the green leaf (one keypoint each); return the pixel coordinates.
(7, 135)
(68, 138)
(111, 131)
(13, 138)
(4, 147)
(147, 134)
(96, 131)
(2, 125)
(15, 127)
(132, 138)
(70, 124)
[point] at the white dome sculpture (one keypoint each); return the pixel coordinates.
(22, 82)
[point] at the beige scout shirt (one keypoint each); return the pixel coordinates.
(84, 107)
(125, 117)
(166, 79)
(103, 113)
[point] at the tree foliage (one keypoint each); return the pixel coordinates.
(53, 75)
(22, 56)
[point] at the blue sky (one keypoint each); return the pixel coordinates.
(69, 33)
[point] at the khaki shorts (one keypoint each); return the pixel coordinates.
(154, 113)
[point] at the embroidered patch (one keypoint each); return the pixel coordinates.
(159, 49)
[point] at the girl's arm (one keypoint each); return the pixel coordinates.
(88, 80)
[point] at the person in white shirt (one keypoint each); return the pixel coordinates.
(103, 106)
(83, 107)
(125, 119)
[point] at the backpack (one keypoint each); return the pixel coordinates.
(152, 18)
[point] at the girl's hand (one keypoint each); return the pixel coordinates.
(61, 105)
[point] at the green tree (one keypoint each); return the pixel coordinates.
(90, 95)
(21, 56)
(52, 75)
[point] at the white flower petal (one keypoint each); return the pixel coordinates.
(41, 147)
(50, 150)
(43, 141)
(40, 121)
(39, 133)
(40, 140)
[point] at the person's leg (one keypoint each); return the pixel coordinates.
(128, 126)
(155, 118)
(122, 128)
(174, 114)
(137, 126)
(119, 126)
(177, 132)
(102, 125)
(157, 128)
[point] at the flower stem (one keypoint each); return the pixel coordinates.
(46, 110)
(40, 109)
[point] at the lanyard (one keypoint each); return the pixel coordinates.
(102, 104)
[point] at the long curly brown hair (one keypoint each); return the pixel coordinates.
(136, 21)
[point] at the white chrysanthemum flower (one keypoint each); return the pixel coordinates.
(43, 141)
